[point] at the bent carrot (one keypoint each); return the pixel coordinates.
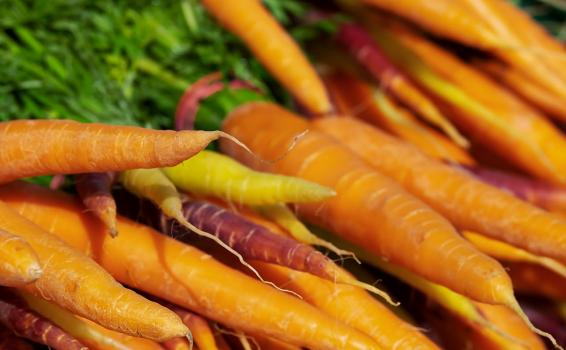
(203, 336)
(28, 325)
(369, 209)
(19, 264)
(535, 280)
(44, 147)
(506, 252)
(211, 173)
(75, 282)
(183, 275)
(9, 341)
(95, 192)
(89, 333)
(350, 305)
(274, 48)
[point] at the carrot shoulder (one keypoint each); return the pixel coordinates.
(19, 264)
(181, 274)
(369, 208)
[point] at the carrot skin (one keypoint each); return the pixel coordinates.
(203, 336)
(19, 264)
(182, 274)
(531, 279)
(176, 344)
(9, 341)
(94, 189)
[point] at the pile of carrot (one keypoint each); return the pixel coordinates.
(415, 199)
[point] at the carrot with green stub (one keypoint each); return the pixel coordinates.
(183, 275)
(274, 48)
(19, 264)
(95, 192)
(211, 173)
(369, 209)
(89, 333)
(45, 147)
(27, 324)
(75, 282)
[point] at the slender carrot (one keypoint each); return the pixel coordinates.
(362, 46)
(350, 305)
(9, 341)
(176, 344)
(29, 325)
(19, 264)
(202, 333)
(87, 332)
(274, 48)
(95, 192)
(43, 147)
(211, 173)
(75, 282)
(183, 275)
(369, 209)
(354, 98)
(272, 344)
(535, 280)
(506, 252)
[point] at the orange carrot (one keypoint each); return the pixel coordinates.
(350, 305)
(176, 344)
(9, 341)
(19, 264)
(532, 279)
(202, 333)
(181, 274)
(95, 192)
(353, 97)
(369, 209)
(75, 282)
(43, 147)
(274, 48)
(25, 323)
(272, 344)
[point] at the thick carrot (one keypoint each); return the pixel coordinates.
(353, 97)
(274, 48)
(95, 192)
(211, 173)
(203, 336)
(366, 51)
(25, 323)
(183, 275)
(506, 252)
(369, 209)
(350, 305)
(19, 264)
(453, 192)
(9, 341)
(531, 279)
(44, 147)
(89, 333)
(75, 282)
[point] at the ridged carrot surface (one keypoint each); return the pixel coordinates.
(19, 264)
(202, 333)
(369, 208)
(274, 48)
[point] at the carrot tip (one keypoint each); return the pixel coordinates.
(514, 305)
(189, 337)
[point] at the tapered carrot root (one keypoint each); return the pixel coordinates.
(87, 332)
(75, 282)
(542, 194)
(25, 323)
(369, 209)
(355, 98)
(531, 279)
(203, 336)
(19, 264)
(95, 192)
(211, 173)
(269, 42)
(183, 275)
(44, 147)
(361, 45)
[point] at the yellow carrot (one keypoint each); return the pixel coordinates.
(211, 173)
(19, 264)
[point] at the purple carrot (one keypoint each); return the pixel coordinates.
(9, 341)
(95, 192)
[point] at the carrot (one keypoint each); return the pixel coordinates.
(9, 341)
(361, 46)
(183, 275)
(75, 282)
(176, 344)
(269, 42)
(531, 279)
(202, 333)
(350, 305)
(369, 209)
(272, 344)
(539, 193)
(43, 147)
(19, 264)
(87, 332)
(253, 241)
(215, 174)
(506, 252)
(95, 192)
(29, 325)
(355, 98)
